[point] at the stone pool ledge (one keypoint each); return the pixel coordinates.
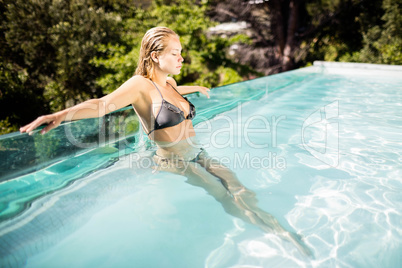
(358, 68)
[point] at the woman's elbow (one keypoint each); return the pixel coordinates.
(98, 106)
(106, 107)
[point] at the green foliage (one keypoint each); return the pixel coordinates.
(15, 91)
(363, 31)
(337, 26)
(7, 127)
(228, 75)
(52, 42)
(205, 56)
(383, 43)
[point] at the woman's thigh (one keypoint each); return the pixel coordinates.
(196, 175)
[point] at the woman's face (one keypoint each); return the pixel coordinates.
(170, 60)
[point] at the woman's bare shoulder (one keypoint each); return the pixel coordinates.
(139, 82)
(171, 81)
(138, 85)
(141, 88)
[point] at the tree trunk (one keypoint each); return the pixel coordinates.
(288, 52)
(285, 18)
(274, 24)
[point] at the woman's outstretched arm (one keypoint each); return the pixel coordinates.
(126, 94)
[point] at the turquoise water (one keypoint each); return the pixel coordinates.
(322, 153)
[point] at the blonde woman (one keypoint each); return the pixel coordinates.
(166, 117)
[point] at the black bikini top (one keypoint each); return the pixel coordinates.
(170, 115)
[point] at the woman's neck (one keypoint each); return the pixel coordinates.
(159, 78)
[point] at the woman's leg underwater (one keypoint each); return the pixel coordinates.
(246, 200)
(221, 183)
(199, 176)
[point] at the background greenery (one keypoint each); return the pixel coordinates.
(56, 53)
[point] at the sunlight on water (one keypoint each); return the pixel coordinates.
(323, 157)
(348, 158)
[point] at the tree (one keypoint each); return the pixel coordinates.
(382, 43)
(19, 96)
(291, 33)
(337, 28)
(274, 24)
(46, 48)
(207, 62)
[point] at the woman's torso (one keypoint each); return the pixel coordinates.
(178, 140)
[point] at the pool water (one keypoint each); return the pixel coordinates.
(323, 156)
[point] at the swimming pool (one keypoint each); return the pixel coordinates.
(320, 146)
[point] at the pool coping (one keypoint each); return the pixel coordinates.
(358, 68)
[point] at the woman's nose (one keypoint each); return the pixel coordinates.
(181, 58)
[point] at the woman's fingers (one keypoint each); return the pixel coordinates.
(46, 119)
(34, 124)
(49, 127)
(205, 91)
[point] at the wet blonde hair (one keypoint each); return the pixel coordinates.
(155, 39)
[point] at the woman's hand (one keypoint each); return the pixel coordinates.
(126, 94)
(52, 121)
(184, 90)
(204, 90)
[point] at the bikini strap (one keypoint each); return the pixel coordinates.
(157, 88)
(162, 102)
(174, 88)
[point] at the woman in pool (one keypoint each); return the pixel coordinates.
(166, 117)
